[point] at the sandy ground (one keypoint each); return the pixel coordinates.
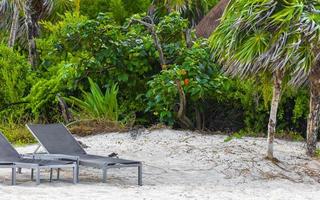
(181, 165)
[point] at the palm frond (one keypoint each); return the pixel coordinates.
(259, 35)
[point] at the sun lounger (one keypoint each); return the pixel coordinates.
(10, 158)
(56, 139)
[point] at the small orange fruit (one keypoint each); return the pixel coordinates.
(186, 81)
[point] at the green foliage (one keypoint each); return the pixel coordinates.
(256, 36)
(171, 31)
(171, 28)
(75, 46)
(238, 135)
(193, 10)
(16, 133)
(250, 98)
(137, 6)
(96, 105)
(290, 135)
(317, 154)
(120, 9)
(212, 3)
(59, 7)
(199, 77)
(14, 83)
(91, 8)
(42, 96)
(253, 97)
(119, 13)
(301, 103)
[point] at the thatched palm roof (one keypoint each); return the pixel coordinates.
(210, 22)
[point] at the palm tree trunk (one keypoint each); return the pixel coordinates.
(314, 113)
(277, 87)
(14, 26)
(31, 32)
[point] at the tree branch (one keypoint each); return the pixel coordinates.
(152, 29)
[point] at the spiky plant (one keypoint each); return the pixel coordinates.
(96, 104)
(279, 36)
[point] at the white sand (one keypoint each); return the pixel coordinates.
(181, 165)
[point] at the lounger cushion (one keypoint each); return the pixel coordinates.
(56, 139)
(7, 152)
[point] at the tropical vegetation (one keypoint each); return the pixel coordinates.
(140, 63)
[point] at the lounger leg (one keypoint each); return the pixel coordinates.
(104, 177)
(51, 171)
(140, 175)
(78, 171)
(13, 176)
(32, 172)
(58, 173)
(75, 173)
(38, 176)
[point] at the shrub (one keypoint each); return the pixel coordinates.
(96, 105)
(199, 77)
(16, 133)
(15, 81)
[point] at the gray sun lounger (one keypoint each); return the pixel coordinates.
(10, 158)
(56, 139)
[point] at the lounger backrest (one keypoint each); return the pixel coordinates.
(7, 152)
(56, 139)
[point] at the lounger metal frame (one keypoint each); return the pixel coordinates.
(18, 164)
(62, 157)
(13, 171)
(37, 168)
(104, 167)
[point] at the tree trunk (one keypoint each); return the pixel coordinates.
(314, 113)
(14, 26)
(66, 114)
(31, 32)
(189, 40)
(198, 119)
(277, 87)
(182, 117)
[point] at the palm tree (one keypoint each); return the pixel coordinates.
(268, 35)
(9, 13)
(24, 15)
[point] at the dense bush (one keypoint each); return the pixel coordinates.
(112, 49)
(15, 81)
(120, 9)
(199, 77)
(76, 49)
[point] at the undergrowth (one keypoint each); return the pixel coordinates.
(17, 134)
